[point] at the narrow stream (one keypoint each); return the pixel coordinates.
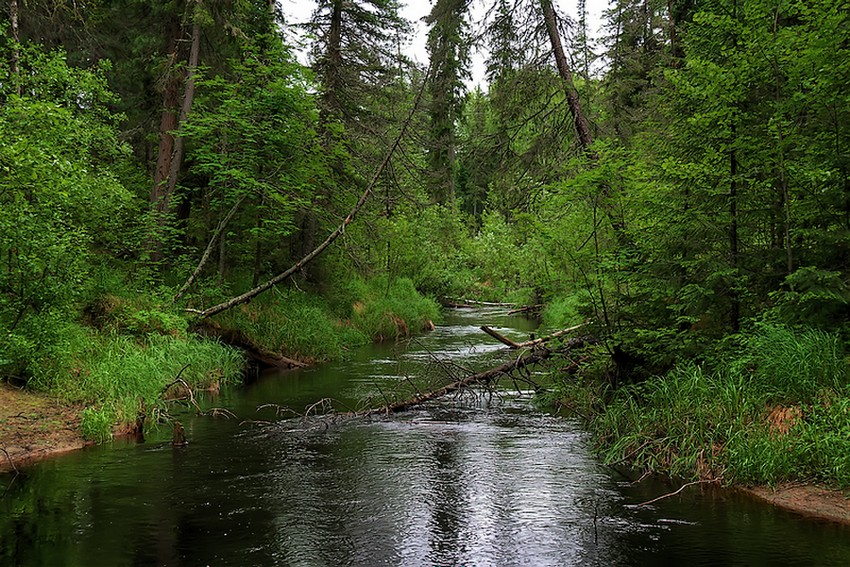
(472, 481)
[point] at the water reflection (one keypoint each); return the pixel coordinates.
(486, 483)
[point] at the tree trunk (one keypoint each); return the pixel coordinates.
(258, 243)
(16, 51)
(164, 204)
(734, 260)
(249, 295)
(333, 66)
(208, 251)
(581, 124)
(168, 121)
(535, 356)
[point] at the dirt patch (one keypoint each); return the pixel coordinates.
(807, 500)
(32, 426)
(781, 419)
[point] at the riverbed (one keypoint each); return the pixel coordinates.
(473, 480)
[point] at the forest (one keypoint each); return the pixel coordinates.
(174, 183)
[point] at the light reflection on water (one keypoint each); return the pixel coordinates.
(480, 481)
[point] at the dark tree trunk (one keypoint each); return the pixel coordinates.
(168, 121)
(164, 203)
(581, 124)
(734, 256)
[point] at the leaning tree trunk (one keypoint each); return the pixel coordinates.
(581, 124)
(299, 265)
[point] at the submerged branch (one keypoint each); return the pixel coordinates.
(536, 355)
(684, 486)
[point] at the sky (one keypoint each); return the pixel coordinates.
(300, 10)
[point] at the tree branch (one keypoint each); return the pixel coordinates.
(249, 295)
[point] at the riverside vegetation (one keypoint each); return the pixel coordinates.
(687, 196)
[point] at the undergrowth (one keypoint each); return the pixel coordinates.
(125, 347)
(311, 327)
(118, 377)
(777, 410)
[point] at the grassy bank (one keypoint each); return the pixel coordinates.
(125, 349)
(314, 327)
(775, 410)
(118, 377)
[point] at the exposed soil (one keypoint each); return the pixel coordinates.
(806, 500)
(32, 426)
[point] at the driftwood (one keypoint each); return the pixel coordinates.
(535, 356)
(470, 302)
(501, 338)
(526, 309)
(527, 344)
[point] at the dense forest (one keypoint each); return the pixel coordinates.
(170, 174)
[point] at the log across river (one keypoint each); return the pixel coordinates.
(462, 480)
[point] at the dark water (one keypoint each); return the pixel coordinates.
(484, 481)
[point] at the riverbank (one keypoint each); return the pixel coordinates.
(808, 500)
(120, 369)
(771, 413)
(33, 427)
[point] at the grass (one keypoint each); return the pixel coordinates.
(779, 413)
(389, 310)
(129, 346)
(299, 325)
(310, 327)
(120, 376)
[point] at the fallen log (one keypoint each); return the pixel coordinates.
(470, 302)
(547, 338)
(535, 356)
(240, 340)
(533, 342)
(501, 338)
(526, 309)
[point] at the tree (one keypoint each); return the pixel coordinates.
(448, 46)
(60, 199)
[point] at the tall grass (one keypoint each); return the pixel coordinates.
(292, 322)
(390, 309)
(308, 326)
(119, 376)
(779, 412)
(795, 365)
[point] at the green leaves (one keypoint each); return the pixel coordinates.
(59, 197)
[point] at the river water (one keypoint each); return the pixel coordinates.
(475, 481)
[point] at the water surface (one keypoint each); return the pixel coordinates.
(478, 481)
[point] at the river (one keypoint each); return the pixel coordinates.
(474, 481)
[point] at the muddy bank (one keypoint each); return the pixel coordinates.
(807, 500)
(33, 426)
